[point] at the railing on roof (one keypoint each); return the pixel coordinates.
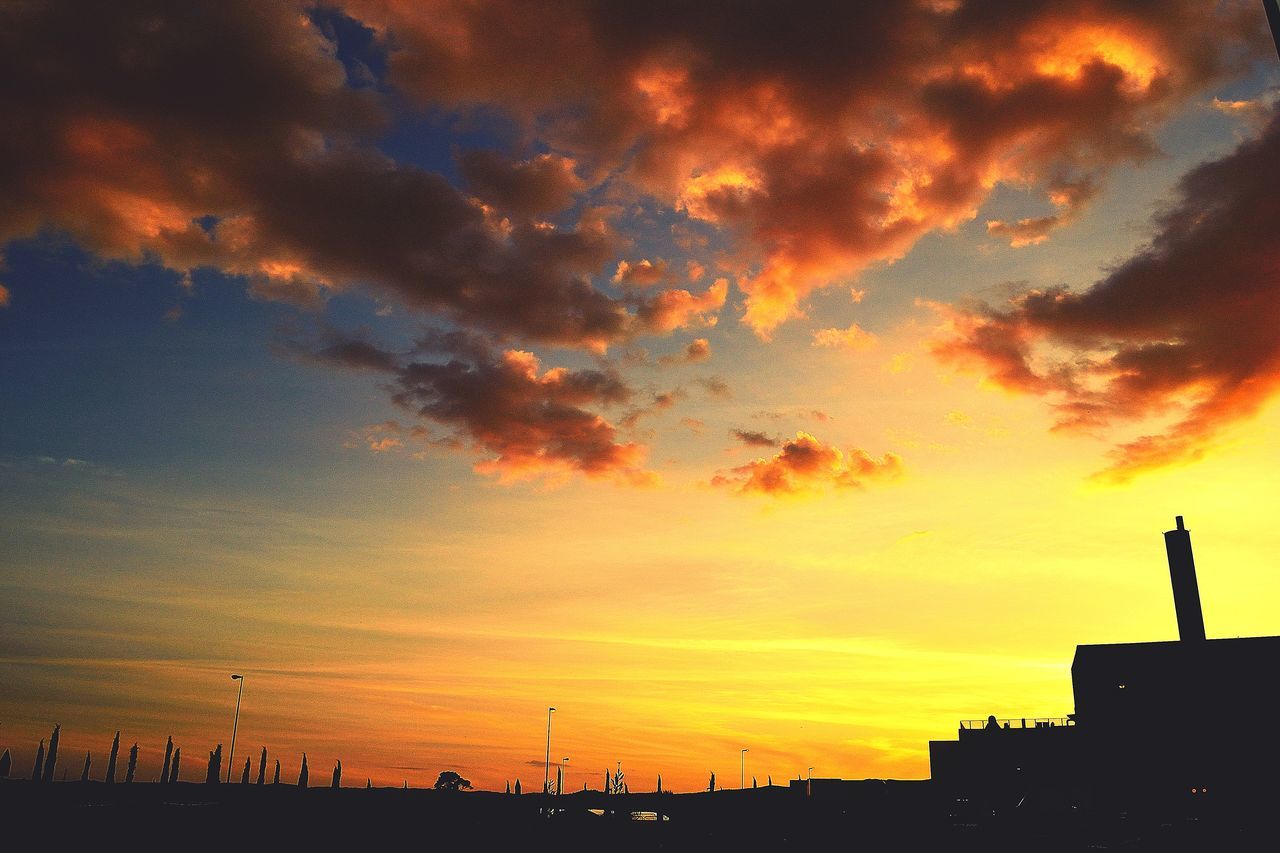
(1019, 723)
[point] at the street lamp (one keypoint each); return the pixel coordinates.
(546, 767)
(742, 769)
(809, 784)
(560, 787)
(235, 724)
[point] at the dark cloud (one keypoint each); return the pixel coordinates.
(226, 136)
(1185, 327)
(357, 355)
(806, 464)
(752, 438)
(524, 421)
(661, 401)
(697, 350)
(545, 184)
(715, 386)
(1069, 197)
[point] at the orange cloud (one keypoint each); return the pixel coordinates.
(853, 338)
(642, 273)
(841, 141)
(676, 309)
(805, 464)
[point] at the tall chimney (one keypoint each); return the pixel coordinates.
(1186, 592)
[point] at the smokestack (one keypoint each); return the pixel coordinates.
(1186, 592)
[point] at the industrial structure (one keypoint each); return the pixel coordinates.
(1188, 718)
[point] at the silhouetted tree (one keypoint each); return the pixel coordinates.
(302, 774)
(753, 781)
(712, 786)
(276, 780)
(177, 763)
(517, 787)
(337, 775)
(262, 767)
(213, 774)
(51, 760)
(659, 783)
(770, 783)
(451, 781)
(133, 764)
(168, 757)
(368, 783)
(111, 762)
(608, 782)
(39, 765)
(244, 777)
(6, 762)
(508, 786)
(88, 761)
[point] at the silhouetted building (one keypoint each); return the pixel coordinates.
(1187, 717)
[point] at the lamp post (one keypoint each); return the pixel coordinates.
(235, 724)
(564, 762)
(809, 784)
(546, 767)
(742, 769)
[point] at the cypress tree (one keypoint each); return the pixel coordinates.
(111, 762)
(276, 780)
(244, 777)
(133, 764)
(51, 760)
(712, 786)
(168, 756)
(517, 787)
(262, 767)
(608, 782)
(770, 780)
(177, 763)
(508, 786)
(88, 760)
(213, 774)
(368, 783)
(302, 774)
(659, 783)
(38, 769)
(6, 762)
(337, 775)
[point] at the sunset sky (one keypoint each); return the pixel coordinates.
(794, 377)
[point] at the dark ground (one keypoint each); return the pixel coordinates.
(872, 816)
